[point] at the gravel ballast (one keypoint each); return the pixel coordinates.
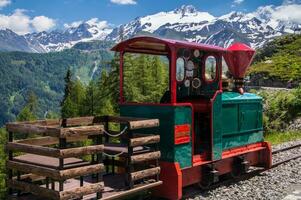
(273, 184)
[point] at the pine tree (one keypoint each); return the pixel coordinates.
(159, 77)
(113, 80)
(72, 104)
(28, 113)
(32, 102)
(78, 94)
(68, 85)
(89, 102)
(105, 103)
(69, 108)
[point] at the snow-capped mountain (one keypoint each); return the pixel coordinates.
(183, 19)
(60, 39)
(10, 41)
(185, 23)
(190, 24)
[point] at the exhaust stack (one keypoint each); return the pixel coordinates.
(238, 58)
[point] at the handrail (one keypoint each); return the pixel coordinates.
(117, 135)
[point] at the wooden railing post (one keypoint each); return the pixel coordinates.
(106, 128)
(129, 163)
(99, 160)
(62, 145)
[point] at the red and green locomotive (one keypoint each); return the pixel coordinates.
(205, 131)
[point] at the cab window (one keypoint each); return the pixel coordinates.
(180, 69)
(210, 68)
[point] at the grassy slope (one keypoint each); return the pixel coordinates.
(277, 138)
(280, 59)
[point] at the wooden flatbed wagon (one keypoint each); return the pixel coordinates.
(54, 162)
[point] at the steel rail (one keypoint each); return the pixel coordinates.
(285, 149)
(285, 161)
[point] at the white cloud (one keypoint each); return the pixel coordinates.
(17, 22)
(124, 2)
(236, 2)
(4, 3)
(22, 24)
(73, 24)
(290, 12)
(42, 23)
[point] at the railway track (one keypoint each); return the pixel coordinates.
(286, 149)
(288, 159)
(252, 173)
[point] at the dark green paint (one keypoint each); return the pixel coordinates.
(217, 127)
(241, 119)
(169, 116)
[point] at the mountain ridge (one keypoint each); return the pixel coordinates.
(185, 23)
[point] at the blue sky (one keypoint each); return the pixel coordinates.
(56, 13)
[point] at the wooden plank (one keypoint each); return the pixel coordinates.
(32, 129)
(34, 169)
(145, 173)
(52, 152)
(148, 123)
(80, 171)
(80, 121)
(48, 122)
(33, 149)
(145, 157)
(44, 141)
(54, 173)
(79, 151)
(144, 140)
(51, 161)
(81, 131)
(126, 193)
(77, 193)
(34, 189)
(30, 177)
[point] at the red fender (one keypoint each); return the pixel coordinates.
(171, 175)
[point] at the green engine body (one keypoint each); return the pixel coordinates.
(235, 120)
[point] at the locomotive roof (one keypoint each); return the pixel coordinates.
(154, 45)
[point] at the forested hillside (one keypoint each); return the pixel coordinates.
(145, 80)
(279, 59)
(42, 74)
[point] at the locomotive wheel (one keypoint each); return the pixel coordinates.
(204, 185)
(240, 167)
(236, 172)
(209, 176)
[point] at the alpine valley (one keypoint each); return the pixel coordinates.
(38, 62)
(186, 23)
